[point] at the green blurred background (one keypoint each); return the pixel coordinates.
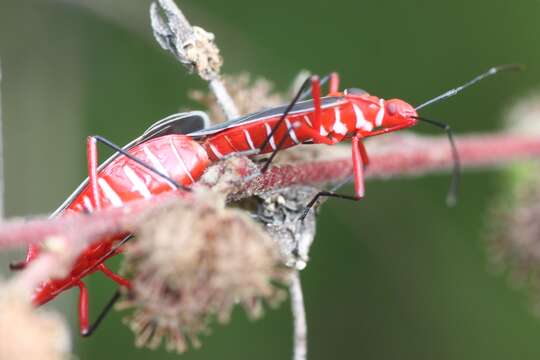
(399, 276)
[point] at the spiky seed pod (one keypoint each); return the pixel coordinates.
(27, 333)
(191, 263)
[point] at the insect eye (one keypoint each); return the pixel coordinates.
(391, 109)
(355, 91)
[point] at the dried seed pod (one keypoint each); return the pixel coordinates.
(279, 211)
(194, 262)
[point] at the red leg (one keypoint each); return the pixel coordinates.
(92, 154)
(83, 308)
(114, 277)
(358, 168)
(363, 153)
(334, 83)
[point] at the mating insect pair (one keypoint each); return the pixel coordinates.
(174, 153)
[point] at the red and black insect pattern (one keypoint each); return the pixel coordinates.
(175, 152)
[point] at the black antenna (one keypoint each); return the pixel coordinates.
(451, 198)
(478, 78)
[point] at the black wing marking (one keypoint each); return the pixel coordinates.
(180, 123)
(269, 113)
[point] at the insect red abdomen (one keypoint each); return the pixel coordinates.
(122, 180)
(177, 156)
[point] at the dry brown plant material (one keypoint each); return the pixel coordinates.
(514, 226)
(27, 333)
(193, 263)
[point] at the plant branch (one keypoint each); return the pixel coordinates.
(405, 155)
(409, 155)
(193, 47)
(299, 315)
(64, 238)
(67, 236)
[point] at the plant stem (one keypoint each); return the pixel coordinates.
(299, 315)
(403, 156)
(406, 155)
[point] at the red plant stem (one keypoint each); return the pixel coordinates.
(70, 235)
(405, 155)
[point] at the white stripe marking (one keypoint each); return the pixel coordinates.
(306, 118)
(292, 134)
(155, 161)
(88, 203)
(248, 139)
(158, 166)
(110, 194)
(181, 161)
(138, 184)
(216, 152)
(380, 114)
(268, 132)
(361, 122)
(339, 127)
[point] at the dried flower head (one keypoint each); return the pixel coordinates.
(28, 333)
(194, 262)
(279, 211)
(514, 229)
(203, 53)
(193, 46)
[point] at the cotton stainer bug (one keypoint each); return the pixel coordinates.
(160, 160)
(163, 159)
(352, 114)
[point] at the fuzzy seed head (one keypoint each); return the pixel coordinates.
(514, 229)
(27, 333)
(194, 262)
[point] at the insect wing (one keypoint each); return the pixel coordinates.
(180, 123)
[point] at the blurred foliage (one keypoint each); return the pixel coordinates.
(396, 276)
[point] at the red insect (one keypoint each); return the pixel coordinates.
(164, 159)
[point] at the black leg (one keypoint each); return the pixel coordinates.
(325, 194)
(102, 314)
(17, 265)
(114, 298)
(138, 161)
(280, 122)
